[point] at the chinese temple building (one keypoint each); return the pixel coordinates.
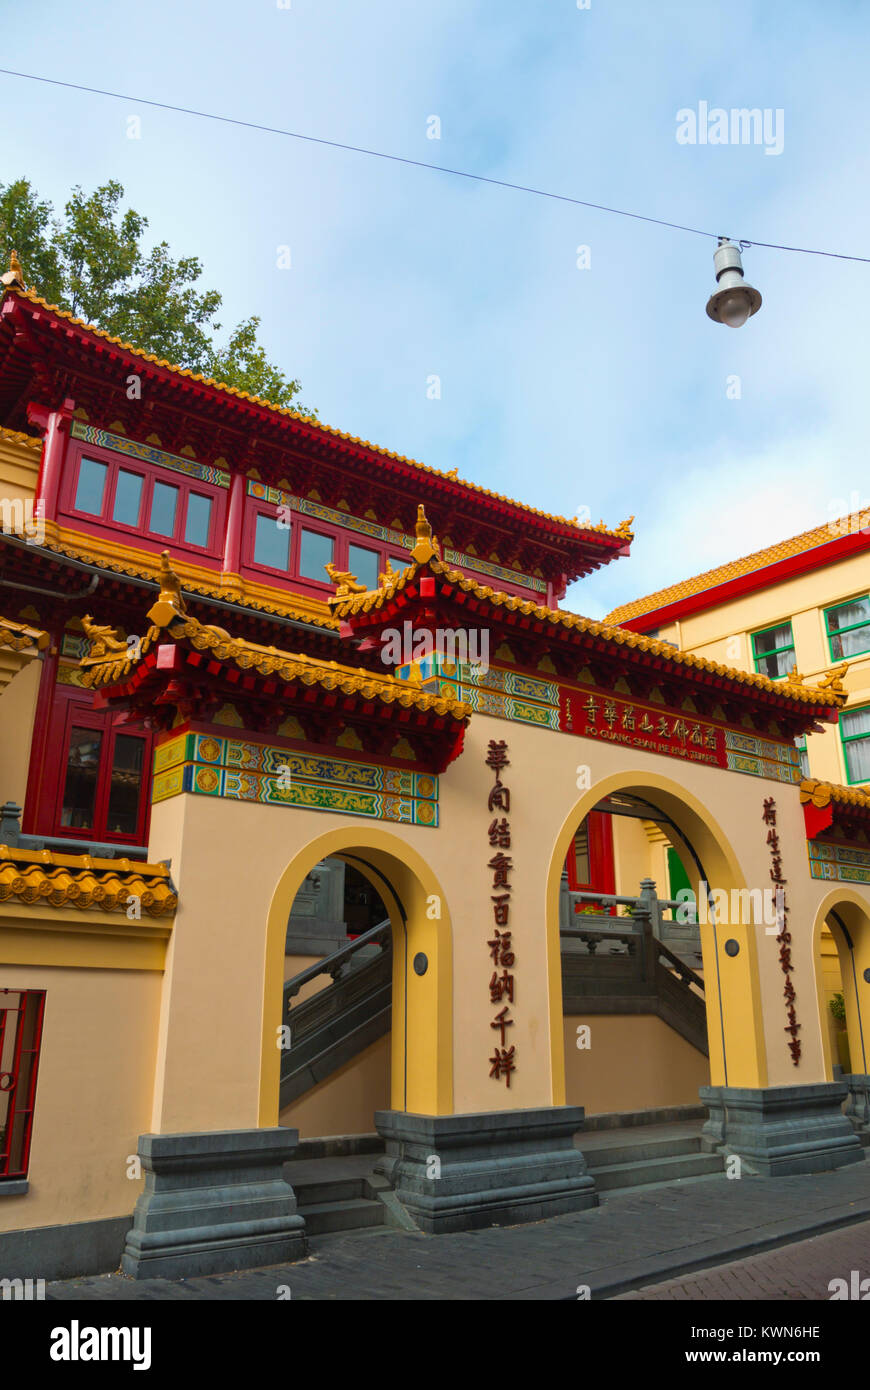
(327, 830)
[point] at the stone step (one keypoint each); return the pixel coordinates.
(317, 1193)
(661, 1170)
(346, 1215)
(609, 1149)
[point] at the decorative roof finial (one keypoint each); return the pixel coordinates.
(14, 275)
(427, 544)
(170, 585)
(833, 679)
(345, 582)
(104, 640)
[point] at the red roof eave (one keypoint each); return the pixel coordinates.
(789, 568)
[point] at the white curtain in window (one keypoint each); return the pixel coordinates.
(854, 642)
(849, 614)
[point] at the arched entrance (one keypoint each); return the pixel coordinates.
(421, 1053)
(733, 1007)
(843, 918)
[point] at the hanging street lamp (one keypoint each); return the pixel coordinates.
(734, 301)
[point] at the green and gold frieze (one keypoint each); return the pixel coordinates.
(550, 704)
(242, 770)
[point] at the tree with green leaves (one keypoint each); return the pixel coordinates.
(91, 261)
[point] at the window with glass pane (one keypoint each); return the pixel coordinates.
(855, 733)
(164, 501)
(272, 542)
(774, 651)
(801, 746)
(90, 487)
(315, 553)
(365, 564)
(128, 496)
(80, 790)
(849, 628)
(198, 522)
(125, 782)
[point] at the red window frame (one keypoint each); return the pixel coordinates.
(69, 710)
(341, 538)
(150, 473)
(602, 874)
(18, 1082)
(299, 522)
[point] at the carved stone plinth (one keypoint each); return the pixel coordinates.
(777, 1130)
(505, 1167)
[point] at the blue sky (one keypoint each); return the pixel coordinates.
(602, 387)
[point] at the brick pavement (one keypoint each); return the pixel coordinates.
(803, 1270)
(631, 1240)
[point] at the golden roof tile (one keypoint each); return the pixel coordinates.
(425, 557)
(821, 794)
(47, 879)
(736, 569)
(21, 637)
(28, 441)
(290, 667)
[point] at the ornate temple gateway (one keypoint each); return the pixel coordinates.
(322, 818)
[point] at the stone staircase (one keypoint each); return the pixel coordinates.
(642, 1156)
(338, 1190)
(338, 1194)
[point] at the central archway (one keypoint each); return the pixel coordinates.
(422, 1033)
(737, 1053)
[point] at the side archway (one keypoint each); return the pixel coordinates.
(845, 915)
(422, 1033)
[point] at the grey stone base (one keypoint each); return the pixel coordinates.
(777, 1130)
(858, 1101)
(503, 1167)
(214, 1202)
(63, 1252)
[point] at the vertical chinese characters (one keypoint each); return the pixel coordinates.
(783, 937)
(501, 984)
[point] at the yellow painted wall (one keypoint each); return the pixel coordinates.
(346, 1101)
(93, 1094)
(634, 857)
(832, 983)
(19, 468)
(294, 965)
(634, 1062)
(230, 860)
(17, 711)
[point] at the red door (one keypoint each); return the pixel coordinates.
(590, 859)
